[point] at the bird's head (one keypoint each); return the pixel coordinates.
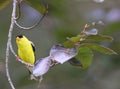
(19, 37)
(21, 40)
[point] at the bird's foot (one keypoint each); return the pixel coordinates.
(18, 58)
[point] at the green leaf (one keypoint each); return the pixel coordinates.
(99, 38)
(85, 56)
(4, 3)
(73, 40)
(36, 4)
(99, 48)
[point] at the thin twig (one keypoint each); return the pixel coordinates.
(31, 27)
(9, 42)
(12, 50)
(19, 9)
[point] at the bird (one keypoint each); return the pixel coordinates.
(26, 49)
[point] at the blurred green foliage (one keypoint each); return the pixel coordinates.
(4, 3)
(85, 55)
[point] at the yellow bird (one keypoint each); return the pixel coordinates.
(26, 49)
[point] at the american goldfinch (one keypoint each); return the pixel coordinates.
(26, 50)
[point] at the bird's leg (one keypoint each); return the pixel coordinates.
(18, 58)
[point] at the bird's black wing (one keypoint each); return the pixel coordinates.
(33, 46)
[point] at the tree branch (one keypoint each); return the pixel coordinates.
(9, 43)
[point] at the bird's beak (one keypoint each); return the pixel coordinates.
(17, 38)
